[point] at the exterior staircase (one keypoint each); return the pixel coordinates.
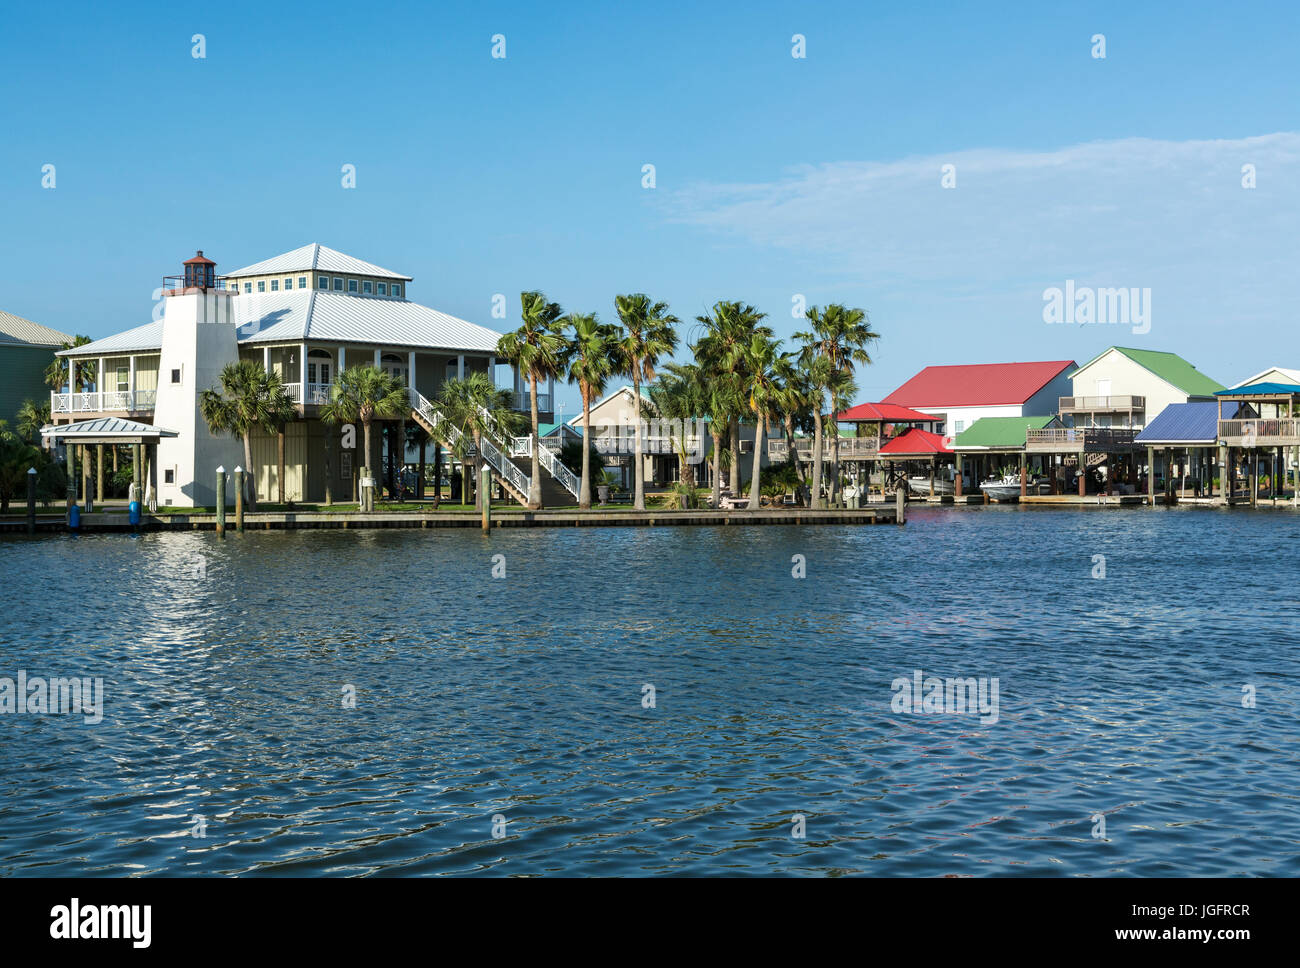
(502, 455)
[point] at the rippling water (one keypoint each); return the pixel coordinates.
(522, 698)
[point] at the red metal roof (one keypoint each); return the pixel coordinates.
(883, 411)
(198, 260)
(915, 441)
(977, 384)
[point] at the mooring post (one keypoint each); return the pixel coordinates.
(31, 500)
(221, 502)
(899, 505)
(239, 500)
(485, 494)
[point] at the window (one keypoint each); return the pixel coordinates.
(368, 287)
(338, 284)
(248, 287)
(123, 378)
(322, 282)
(958, 426)
(383, 289)
(261, 285)
(176, 376)
(302, 282)
(397, 290)
(275, 285)
(352, 285)
(288, 284)
(318, 366)
(394, 366)
(169, 475)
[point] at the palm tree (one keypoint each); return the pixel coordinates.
(721, 350)
(650, 334)
(56, 374)
(844, 336)
(592, 358)
(473, 406)
(361, 394)
(682, 393)
(537, 349)
(32, 416)
(766, 369)
(249, 399)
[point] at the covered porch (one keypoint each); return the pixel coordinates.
(1264, 434)
(77, 438)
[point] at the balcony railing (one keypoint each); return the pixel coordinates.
(105, 401)
(851, 448)
(1102, 404)
(318, 394)
(1260, 433)
(1074, 439)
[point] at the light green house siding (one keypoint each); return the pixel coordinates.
(22, 376)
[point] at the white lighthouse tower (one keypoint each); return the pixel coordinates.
(198, 341)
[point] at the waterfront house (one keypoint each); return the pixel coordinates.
(1112, 397)
(1264, 428)
(1182, 445)
(306, 315)
(26, 349)
(961, 394)
(994, 446)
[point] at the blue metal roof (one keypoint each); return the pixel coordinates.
(1192, 423)
(1260, 389)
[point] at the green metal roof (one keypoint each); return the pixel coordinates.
(1170, 367)
(1000, 431)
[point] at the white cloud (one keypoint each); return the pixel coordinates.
(1172, 216)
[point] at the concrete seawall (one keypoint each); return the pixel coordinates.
(501, 518)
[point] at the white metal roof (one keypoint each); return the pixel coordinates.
(15, 329)
(1292, 375)
(329, 317)
(319, 257)
(105, 427)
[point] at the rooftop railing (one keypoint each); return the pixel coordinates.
(1074, 439)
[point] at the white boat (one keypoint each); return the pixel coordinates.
(1008, 487)
(921, 486)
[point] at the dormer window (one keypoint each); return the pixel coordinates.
(322, 282)
(383, 289)
(397, 290)
(275, 285)
(261, 285)
(352, 285)
(288, 284)
(248, 287)
(368, 288)
(338, 284)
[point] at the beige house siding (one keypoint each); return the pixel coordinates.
(1126, 378)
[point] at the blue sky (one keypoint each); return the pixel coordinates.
(775, 176)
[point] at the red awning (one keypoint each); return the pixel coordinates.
(888, 412)
(914, 443)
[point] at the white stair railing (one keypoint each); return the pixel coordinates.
(523, 447)
(487, 446)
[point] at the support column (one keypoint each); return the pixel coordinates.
(266, 359)
(99, 473)
(934, 462)
(1151, 476)
(70, 451)
(460, 367)
(343, 355)
(137, 481)
(956, 480)
(86, 501)
(1083, 473)
(99, 383)
(1024, 477)
(1254, 477)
